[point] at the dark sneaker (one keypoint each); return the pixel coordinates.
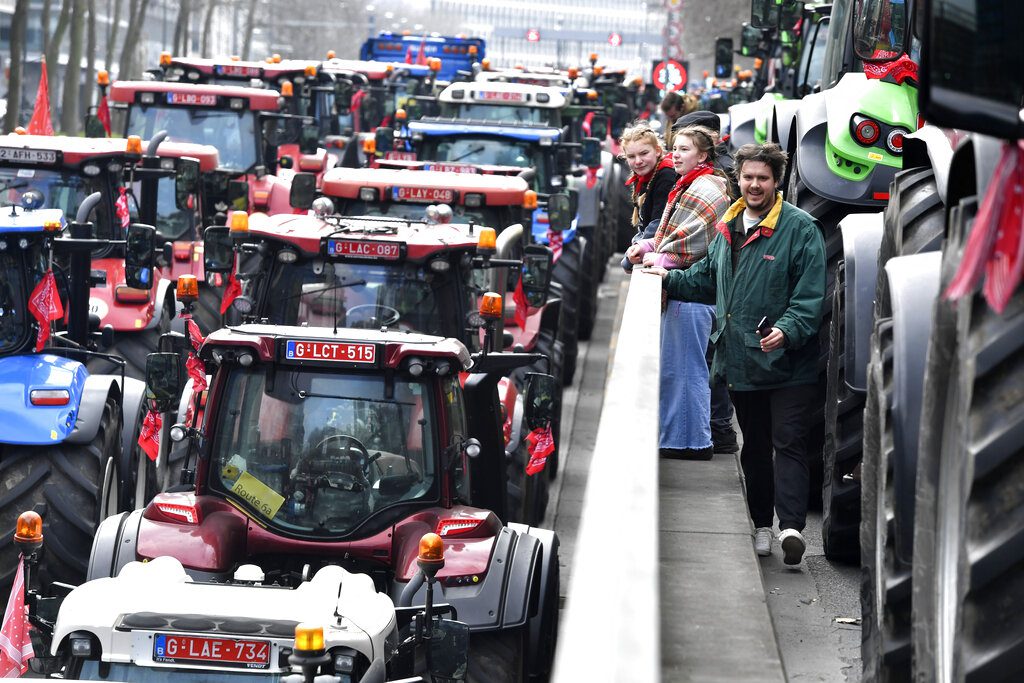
(687, 453)
(793, 546)
(725, 441)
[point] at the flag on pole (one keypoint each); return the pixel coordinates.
(40, 123)
(15, 643)
(421, 56)
(44, 305)
(149, 435)
(103, 113)
(522, 303)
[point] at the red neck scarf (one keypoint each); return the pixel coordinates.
(703, 168)
(641, 181)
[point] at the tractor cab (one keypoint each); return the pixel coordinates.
(243, 124)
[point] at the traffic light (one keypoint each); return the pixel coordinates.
(615, 39)
(532, 35)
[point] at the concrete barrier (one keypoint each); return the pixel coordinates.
(610, 627)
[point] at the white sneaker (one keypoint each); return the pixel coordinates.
(793, 546)
(763, 541)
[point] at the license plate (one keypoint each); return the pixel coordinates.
(192, 99)
(400, 155)
(451, 168)
(235, 70)
(330, 351)
(35, 156)
(422, 194)
(388, 251)
(172, 648)
(500, 96)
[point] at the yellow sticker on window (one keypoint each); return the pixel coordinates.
(875, 156)
(264, 499)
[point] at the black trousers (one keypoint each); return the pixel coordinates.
(775, 419)
(721, 408)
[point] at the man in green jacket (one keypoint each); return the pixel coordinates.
(765, 272)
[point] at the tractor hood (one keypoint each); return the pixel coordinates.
(38, 425)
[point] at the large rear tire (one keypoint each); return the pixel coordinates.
(566, 274)
(589, 278)
(969, 624)
(72, 487)
(497, 656)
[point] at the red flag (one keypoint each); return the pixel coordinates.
(149, 435)
(121, 206)
(555, 242)
(15, 643)
(522, 305)
(421, 56)
(103, 114)
(40, 123)
(540, 444)
(194, 366)
(44, 305)
(231, 293)
(896, 70)
(995, 243)
(408, 55)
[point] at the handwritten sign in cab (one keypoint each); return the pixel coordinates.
(386, 251)
(343, 352)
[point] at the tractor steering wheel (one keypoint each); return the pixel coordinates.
(362, 460)
(388, 316)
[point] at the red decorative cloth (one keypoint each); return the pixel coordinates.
(40, 123)
(149, 435)
(896, 71)
(522, 305)
(44, 305)
(540, 444)
(15, 642)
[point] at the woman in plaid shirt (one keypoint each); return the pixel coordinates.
(696, 203)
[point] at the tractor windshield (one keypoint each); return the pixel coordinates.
(233, 133)
(172, 223)
(60, 189)
(404, 296)
(479, 150)
(318, 452)
(460, 214)
(879, 29)
(14, 319)
(503, 113)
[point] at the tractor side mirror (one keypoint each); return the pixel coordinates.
(537, 265)
(343, 95)
(303, 190)
(186, 180)
(599, 126)
(238, 195)
(541, 404)
(218, 250)
(723, 58)
(384, 139)
(138, 256)
(559, 212)
(449, 650)
(163, 381)
(563, 160)
(764, 14)
(619, 120)
(789, 14)
(591, 152)
(94, 127)
(309, 139)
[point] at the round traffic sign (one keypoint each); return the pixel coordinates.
(669, 75)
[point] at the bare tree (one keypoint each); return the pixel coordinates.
(115, 23)
(46, 26)
(73, 72)
(250, 23)
(53, 47)
(90, 60)
(181, 28)
(204, 46)
(136, 18)
(18, 25)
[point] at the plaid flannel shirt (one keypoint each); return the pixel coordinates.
(688, 224)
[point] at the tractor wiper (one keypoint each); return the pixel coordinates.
(475, 150)
(322, 290)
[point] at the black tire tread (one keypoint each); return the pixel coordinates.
(496, 656)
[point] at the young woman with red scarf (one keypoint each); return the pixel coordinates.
(698, 200)
(652, 179)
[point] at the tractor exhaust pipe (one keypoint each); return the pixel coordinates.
(154, 142)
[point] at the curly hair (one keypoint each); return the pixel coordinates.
(769, 153)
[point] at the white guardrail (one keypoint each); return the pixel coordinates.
(610, 628)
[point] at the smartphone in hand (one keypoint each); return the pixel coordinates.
(764, 328)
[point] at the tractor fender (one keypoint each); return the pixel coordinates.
(590, 203)
(132, 397)
(972, 167)
(519, 428)
(506, 596)
(929, 147)
(549, 318)
(780, 124)
(743, 122)
(114, 545)
(913, 286)
(862, 236)
(547, 592)
(95, 392)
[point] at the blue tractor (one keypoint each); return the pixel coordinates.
(64, 448)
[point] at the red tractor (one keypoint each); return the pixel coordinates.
(317, 446)
(410, 276)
